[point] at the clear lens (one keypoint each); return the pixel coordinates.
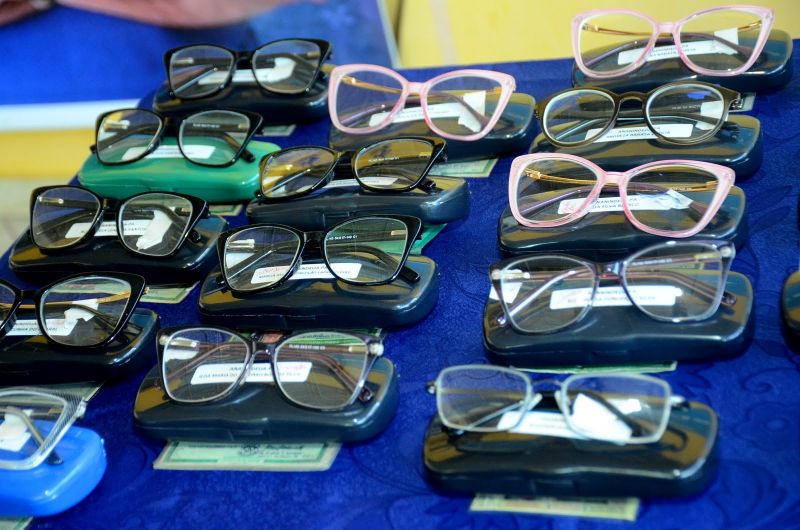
(7, 298)
(671, 198)
(126, 135)
(464, 105)
(477, 398)
(85, 311)
(62, 216)
(547, 293)
(259, 257)
(578, 116)
(617, 408)
(321, 370)
(686, 113)
(366, 250)
(213, 137)
(677, 282)
(295, 171)
(202, 364)
(609, 43)
(721, 40)
(154, 224)
(199, 71)
(393, 164)
(287, 66)
(553, 189)
(365, 99)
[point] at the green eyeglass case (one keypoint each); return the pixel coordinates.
(234, 183)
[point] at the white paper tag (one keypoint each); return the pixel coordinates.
(154, 232)
(614, 296)
(539, 423)
(510, 292)
(596, 420)
(283, 69)
(669, 200)
(369, 181)
(659, 53)
(14, 434)
(671, 130)
(317, 271)
(198, 152)
(26, 328)
(133, 227)
(476, 100)
(290, 372)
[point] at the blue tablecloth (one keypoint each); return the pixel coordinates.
(380, 484)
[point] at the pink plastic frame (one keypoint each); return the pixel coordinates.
(673, 28)
(507, 85)
(726, 177)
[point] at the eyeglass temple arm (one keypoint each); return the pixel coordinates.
(53, 458)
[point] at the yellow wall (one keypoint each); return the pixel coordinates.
(438, 32)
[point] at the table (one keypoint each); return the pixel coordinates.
(380, 483)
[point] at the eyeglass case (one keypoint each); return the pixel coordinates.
(512, 133)
(244, 93)
(790, 306)
(773, 69)
(50, 489)
(683, 462)
(192, 261)
(624, 335)
(605, 235)
(448, 202)
(257, 412)
(323, 302)
(167, 170)
(32, 360)
(737, 145)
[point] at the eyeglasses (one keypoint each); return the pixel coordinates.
(288, 66)
(670, 198)
(721, 41)
(151, 224)
(84, 310)
(395, 165)
(669, 282)
(679, 113)
(460, 105)
(214, 138)
(33, 422)
(370, 250)
(620, 408)
(322, 370)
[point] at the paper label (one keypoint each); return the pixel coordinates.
(197, 152)
(13, 523)
(14, 433)
(247, 457)
(510, 292)
(283, 69)
(476, 168)
(278, 130)
(614, 295)
(539, 423)
(226, 210)
(290, 372)
(306, 271)
(669, 200)
(671, 130)
(156, 229)
(369, 181)
(618, 508)
(660, 53)
(595, 419)
(475, 100)
(167, 294)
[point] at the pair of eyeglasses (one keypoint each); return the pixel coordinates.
(459, 105)
(396, 165)
(151, 224)
(669, 282)
(82, 311)
(321, 370)
(679, 113)
(619, 408)
(214, 138)
(669, 198)
(369, 250)
(287, 66)
(34, 420)
(722, 41)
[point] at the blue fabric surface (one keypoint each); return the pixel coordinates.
(380, 484)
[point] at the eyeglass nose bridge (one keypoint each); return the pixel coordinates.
(665, 28)
(414, 87)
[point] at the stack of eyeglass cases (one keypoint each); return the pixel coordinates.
(621, 227)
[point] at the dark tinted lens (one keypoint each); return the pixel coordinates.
(393, 164)
(198, 71)
(295, 171)
(288, 66)
(62, 216)
(202, 364)
(126, 135)
(154, 224)
(84, 311)
(259, 257)
(7, 298)
(213, 137)
(366, 250)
